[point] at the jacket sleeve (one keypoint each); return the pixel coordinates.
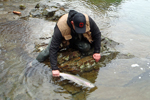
(96, 35)
(54, 48)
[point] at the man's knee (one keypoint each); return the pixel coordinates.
(42, 56)
(84, 46)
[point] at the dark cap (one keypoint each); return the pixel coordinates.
(79, 22)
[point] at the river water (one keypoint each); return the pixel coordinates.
(124, 21)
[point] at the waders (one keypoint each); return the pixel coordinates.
(44, 54)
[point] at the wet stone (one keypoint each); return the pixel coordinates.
(36, 13)
(22, 7)
(65, 56)
(49, 10)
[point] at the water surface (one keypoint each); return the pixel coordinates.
(125, 21)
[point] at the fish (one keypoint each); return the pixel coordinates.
(79, 80)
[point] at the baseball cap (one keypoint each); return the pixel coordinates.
(79, 22)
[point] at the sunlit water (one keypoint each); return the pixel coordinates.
(126, 22)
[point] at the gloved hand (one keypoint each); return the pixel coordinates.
(55, 73)
(97, 56)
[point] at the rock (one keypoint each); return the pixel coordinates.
(65, 56)
(36, 13)
(22, 7)
(57, 15)
(49, 10)
(37, 6)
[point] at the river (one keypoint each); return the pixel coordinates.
(124, 21)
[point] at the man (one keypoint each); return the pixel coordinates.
(75, 30)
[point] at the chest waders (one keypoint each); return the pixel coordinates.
(44, 54)
(80, 43)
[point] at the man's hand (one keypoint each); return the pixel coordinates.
(97, 56)
(55, 73)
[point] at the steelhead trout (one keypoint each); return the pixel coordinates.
(77, 79)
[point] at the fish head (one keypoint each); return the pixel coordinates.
(89, 84)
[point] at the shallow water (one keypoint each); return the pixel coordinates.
(124, 21)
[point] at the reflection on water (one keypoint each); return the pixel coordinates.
(106, 5)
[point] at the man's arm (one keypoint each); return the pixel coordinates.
(54, 48)
(96, 36)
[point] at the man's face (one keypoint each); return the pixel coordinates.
(73, 25)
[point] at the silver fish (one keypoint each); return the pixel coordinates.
(77, 79)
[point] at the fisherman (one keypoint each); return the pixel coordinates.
(74, 30)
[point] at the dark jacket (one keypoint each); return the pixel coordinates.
(57, 39)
